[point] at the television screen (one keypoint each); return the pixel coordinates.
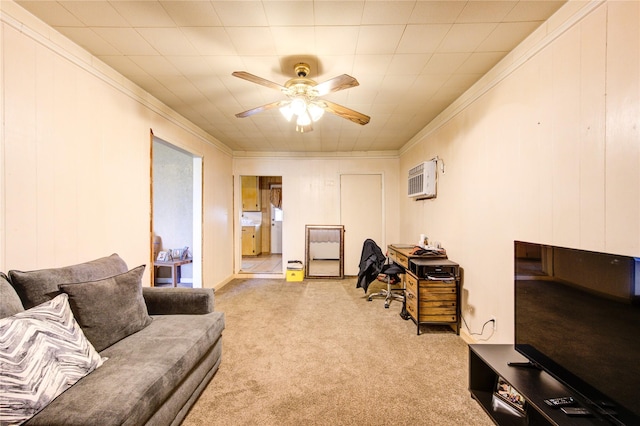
(577, 315)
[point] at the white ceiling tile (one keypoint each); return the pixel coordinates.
(91, 14)
(126, 40)
(533, 10)
(445, 63)
(365, 65)
(289, 13)
(427, 85)
(196, 13)
(338, 12)
(294, 40)
(485, 11)
(408, 64)
(423, 38)
(241, 13)
(506, 36)
(57, 15)
(125, 66)
(333, 66)
(387, 12)
(157, 66)
(210, 41)
(336, 40)
(436, 12)
(224, 65)
(481, 62)
(168, 41)
(252, 40)
(465, 37)
(379, 39)
(89, 40)
(267, 67)
(193, 66)
(143, 13)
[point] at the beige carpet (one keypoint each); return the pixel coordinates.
(317, 353)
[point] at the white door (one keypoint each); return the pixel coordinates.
(361, 215)
(276, 230)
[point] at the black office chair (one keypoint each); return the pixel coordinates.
(375, 265)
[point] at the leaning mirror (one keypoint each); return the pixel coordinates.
(324, 251)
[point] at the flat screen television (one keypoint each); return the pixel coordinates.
(577, 316)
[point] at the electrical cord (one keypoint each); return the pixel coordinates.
(481, 331)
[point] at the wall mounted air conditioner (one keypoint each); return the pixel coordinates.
(422, 180)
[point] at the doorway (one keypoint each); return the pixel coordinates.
(176, 219)
(261, 219)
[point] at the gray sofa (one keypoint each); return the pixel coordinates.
(153, 375)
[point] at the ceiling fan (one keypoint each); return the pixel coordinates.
(303, 98)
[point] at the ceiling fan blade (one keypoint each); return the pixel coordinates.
(345, 112)
(262, 108)
(258, 80)
(341, 82)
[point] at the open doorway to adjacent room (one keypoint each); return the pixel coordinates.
(261, 218)
(176, 219)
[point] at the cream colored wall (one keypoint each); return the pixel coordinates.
(76, 158)
(550, 154)
(311, 194)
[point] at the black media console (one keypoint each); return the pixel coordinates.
(489, 363)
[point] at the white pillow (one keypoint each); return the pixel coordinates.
(43, 352)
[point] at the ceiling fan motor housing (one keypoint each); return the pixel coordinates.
(301, 69)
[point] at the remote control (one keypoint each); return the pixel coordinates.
(576, 411)
(560, 402)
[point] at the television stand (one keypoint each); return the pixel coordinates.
(487, 363)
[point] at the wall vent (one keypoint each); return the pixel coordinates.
(422, 180)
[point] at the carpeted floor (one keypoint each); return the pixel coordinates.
(317, 353)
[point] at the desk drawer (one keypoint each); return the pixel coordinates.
(436, 294)
(431, 316)
(411, 303)
(399, 258)
(413, 281)
(431, 311)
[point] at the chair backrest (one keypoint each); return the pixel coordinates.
(370, 247)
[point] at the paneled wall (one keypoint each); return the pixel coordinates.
(76, 158)
(549, 154)
(311, 194)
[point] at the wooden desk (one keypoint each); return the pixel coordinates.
(175, 268)
(401, 254)
(428, 300)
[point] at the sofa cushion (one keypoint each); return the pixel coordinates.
(10, 303)
(110, 309)
(35, 287)
(43, 352)
(143, 372)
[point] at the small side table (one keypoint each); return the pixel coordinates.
(175, 268)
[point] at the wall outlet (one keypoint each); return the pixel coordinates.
(495, 322)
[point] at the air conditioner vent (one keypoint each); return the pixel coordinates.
(422, 180)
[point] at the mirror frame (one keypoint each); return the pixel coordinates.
(308, 230)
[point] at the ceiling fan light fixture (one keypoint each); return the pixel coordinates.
(315, 111)
(287, 112)
(302, 93)
(298, 106)
(304, 129)
(303, 119)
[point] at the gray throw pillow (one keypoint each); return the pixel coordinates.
(10, 303)
(36, 287)
(111, 309)
(43, 352)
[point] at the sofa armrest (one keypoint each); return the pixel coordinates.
(172, 300)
